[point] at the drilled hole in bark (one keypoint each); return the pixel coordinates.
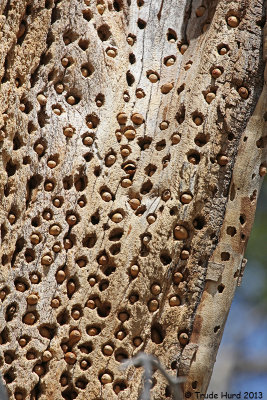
(141, 23)
(103, 285)
(132, 58)
(88, 15)
(104, 32)
(242, 219)
(165, 258)
(157, 334)
(221, 288)
(146, 187)
(63, 317)
(90, 240)
(171, 35)
(144, 142)
(161, 145)
(116, 234)
(231, 230)
(225, 256)
(201, 139)
(199, 222)
(117, 5)
(130, 78)
(150, 169)
(180, 115)
(17, 142)
(104, 309)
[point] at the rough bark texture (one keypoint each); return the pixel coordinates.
(132, 156)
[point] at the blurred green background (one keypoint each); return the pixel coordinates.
(242, 358)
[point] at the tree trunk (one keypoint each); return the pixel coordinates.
(133, 145)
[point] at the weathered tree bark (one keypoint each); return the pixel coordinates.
(133, 150)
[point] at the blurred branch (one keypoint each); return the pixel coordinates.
(150, 365)
(254, 366)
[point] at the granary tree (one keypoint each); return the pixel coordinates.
(132, 153)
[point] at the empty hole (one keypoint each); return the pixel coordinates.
(167, 391)
(221, 288)
(18, 248)
(225, 256)
(11, 168)
(17, 142)
(63, 317)
(157, 335)
(216, 328)
(242, 219)
(90, 240)
(83, 44)
(150, 169)
(117, 5)
(87, 14)
(4, 335)
(161, 145)
(4, 259)
(116, 234)
(194, 385)
(180, 115)
(26, 160)
(103, 285)
(95, 218)
(132, 58)
(199, 222)
(70, 37)
(173, 211)
(103, 310)
(201, 139)
(69, 394)
(141, 23)
(10, 312)
(104, 32)
(232, 192)
(88, 157)
(29, 255)
(9, 376)
(165, 258)
(146, 187)
(68, 182)
(140, 210)
(130, 78)
(180, 88)
(32, 184)
(36, 221)
(80, 182)
(109, 270)
(115, 249)
(174, 365)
